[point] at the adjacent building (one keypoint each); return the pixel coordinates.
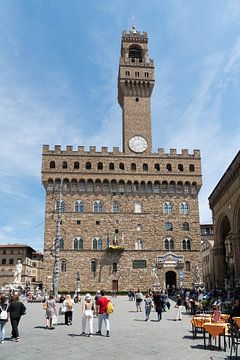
(129, 217)
(207, 255)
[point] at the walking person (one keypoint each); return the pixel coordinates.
(158, 302)
(101, 311)
(139, 299)
(87, 315)
(50, 306)
(179, 308)
(15, 310)
(68, 305)
(3, 317)
(148, 306)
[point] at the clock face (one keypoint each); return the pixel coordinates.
(138, 144)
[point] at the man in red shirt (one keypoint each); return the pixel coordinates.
(102, 314)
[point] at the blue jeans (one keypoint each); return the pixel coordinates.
(2, 329)
(147, 311)
(103, 317)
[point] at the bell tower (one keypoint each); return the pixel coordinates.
(135, 85)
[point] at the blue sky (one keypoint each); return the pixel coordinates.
(58, 85)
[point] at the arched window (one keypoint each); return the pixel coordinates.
(63, 266)
(100, 166)
(82, 185)
(185, 226)
(106, 186)
(52, 165)
(78, 243)
(136, 73)
(133, 167)
(61, 244)
(111, 166)
(79, 206)
(169, 244)
(194, 188)
(127, 73)
(88, 165)
(115, 207)
(186, 244)
(50, 185)
(180, 167)
(4, 261)
(184, 208)
(167, 208)
(97, 207)
(121, 166)
(157, 167)
(168, 226)
(156, 187)
(64, 165)
(139, 245)
(93, 265)
(164, 186)
(60, 206)
(149, 187)
(187, 188)
(89, 185)
(135, 52)
(169, 167)
(145, 167)
(11, 261)
(172, 187)
(188, 266)
(121, 186)
(97, 244)
(191, 168)
(179, 187)
(129, 186)
(76, 165)
(138, 207)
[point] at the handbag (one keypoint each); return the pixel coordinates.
(3, 314)
(62, 310)
(44, 306)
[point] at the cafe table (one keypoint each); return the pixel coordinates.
(215, 330)
(198, 321)
(237, 320)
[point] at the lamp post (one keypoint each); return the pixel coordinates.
(78, 282)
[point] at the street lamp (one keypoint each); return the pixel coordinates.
(78, 282)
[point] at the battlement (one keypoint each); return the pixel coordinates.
(132, 36)
(115, 151)
(136, 62)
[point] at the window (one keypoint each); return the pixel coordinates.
(169, 167)
(127, 73)
(61, 244)
(191, 168)
(188, 266)
(60, 206)
(167, 208)
(135, 52)
(78, 243)
(185, 226)
(164, 186)
(93, 266)
(52, 165)
(76, 165)
(133, 167)
(121, 186)
(136, 99)
(149, 187)
(79, 206)
(168, 226)
(139, 245)
(97, 222)
(146, 74)
(111, 166)
(186, 244)
(4, 261)
(194, 188)
(187, 188)
(180, 167)
(97, 207)
(179, 187)
(64, 165)
(138, 207)
(139, 227)
(115, 207)
(172, 187)
(114, 267)
(136, 73)
(183, 208)
(145, 167)
(156, 187)
(139, 264)
(100, 166)
(78, 222)
(121, 166)
(63, 266)
(97, 244)
(11, 261)
(168, 244)
(157, 167)
(88, 165)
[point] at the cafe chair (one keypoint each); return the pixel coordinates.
(235, 340)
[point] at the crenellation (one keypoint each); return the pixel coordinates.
(45, 149)
(81, 149)
(173, 152)
(104, 149)
(69, 148)
(57, 148)
(92, 149)
(161, 152)
(116, 150)
(185, 152)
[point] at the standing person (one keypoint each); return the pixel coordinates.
(15, 310)
(3, 317)
(158, 302)
(148, 306)
(68, 305)
(50, 306)
(179, 308)
(102, 314)
(139, 299)
(87, 314)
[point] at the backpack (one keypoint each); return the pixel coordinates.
(69, 305)
(109, 307)
(3, 314)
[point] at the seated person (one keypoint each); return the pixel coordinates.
(217, 314)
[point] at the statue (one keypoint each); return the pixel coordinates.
(155, 279)
(18, 272)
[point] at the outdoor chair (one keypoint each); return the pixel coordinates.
(235, 340)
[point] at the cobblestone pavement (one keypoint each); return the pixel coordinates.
(131, 338)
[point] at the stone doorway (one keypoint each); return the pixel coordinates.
(171, 279)
(115, 285)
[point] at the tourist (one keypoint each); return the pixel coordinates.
(139, 299)
(158, 303)
(68, 306)
(50, 307)
(217, 314)
(148, 306)
(179, 308)
(15, 310)
(101, 311)
(3, 317)
(87, 315)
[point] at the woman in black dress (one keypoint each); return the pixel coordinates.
(15, 310)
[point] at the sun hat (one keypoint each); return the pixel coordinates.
(87, 296)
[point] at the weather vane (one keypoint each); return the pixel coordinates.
(133, 25)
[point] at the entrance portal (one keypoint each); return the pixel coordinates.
(171, 279)
(115, 285)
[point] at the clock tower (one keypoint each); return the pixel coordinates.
(135, 85)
